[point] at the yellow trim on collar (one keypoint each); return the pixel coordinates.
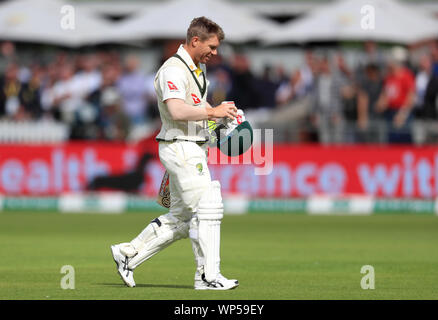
(198, 71)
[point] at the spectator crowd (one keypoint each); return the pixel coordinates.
(99, 95)
(387, 97)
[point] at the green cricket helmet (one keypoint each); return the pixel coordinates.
(235, 140)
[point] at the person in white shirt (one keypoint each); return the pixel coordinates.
(132, 87)
(422, 79)
(196, 208)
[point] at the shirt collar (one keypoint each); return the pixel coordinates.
(186, 57)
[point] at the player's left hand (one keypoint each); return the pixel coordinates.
(224, 110)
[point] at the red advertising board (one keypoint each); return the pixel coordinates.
(384, 171)
(289, 170)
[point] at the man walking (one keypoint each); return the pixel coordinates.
(196, 208)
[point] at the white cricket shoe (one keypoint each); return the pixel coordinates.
(221, 283)
(121, 261)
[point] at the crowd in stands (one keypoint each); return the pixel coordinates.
(102, 95)
(99, 95)
(386, 97)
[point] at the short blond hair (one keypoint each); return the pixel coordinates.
(204, 28)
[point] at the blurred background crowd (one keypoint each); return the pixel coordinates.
(386, 94)
(98, 95)
(103, 94)
(384, 97)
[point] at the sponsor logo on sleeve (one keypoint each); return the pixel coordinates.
(195, 98)
(172, 86)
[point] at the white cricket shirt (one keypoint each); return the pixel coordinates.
(180, 78)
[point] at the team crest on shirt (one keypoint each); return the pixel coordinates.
(172, 86)
(195, 98)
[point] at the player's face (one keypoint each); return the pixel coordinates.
(207, 49)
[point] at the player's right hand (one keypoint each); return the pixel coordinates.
(224, 110)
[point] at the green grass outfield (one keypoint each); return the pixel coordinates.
(274, 256)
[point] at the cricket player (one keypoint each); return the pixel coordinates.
(196, 208)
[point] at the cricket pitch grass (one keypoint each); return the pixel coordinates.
(274, 257)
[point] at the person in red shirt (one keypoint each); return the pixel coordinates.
(397, 98)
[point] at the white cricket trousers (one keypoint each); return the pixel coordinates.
(186, 163)
(189, 178)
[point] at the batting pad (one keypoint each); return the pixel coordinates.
(159, 234)
(210, 214)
